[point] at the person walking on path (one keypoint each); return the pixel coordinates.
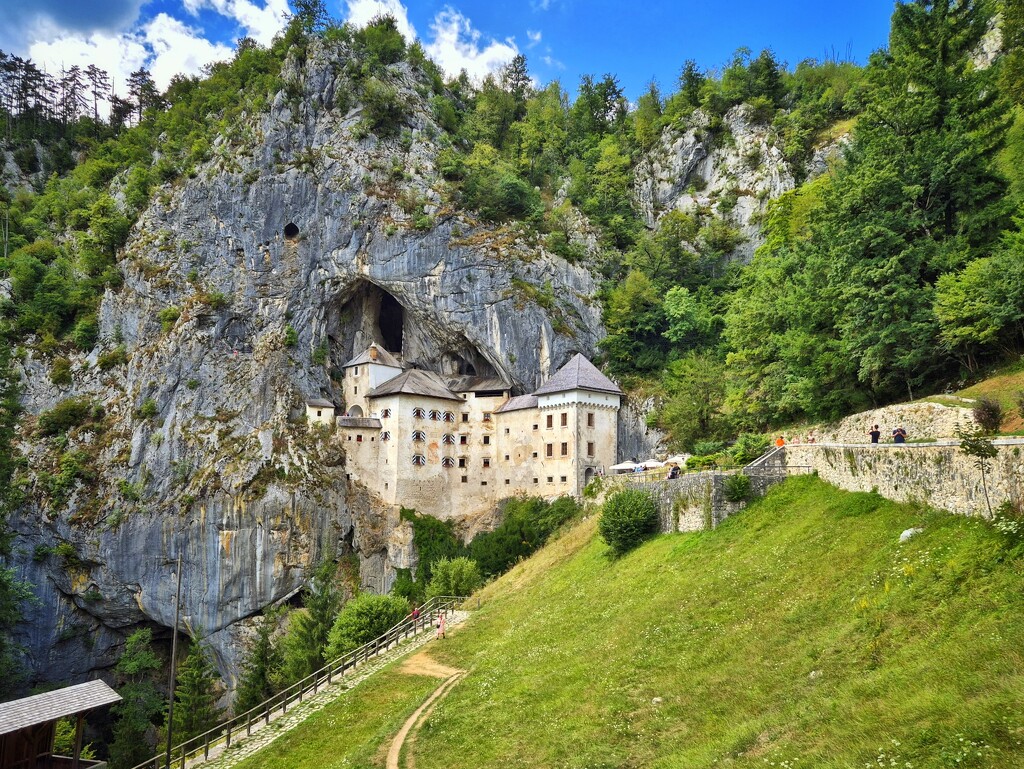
(899, 435)
(780, 441)
(875, 434)
(440, 626)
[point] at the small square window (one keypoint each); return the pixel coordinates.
(551, 479)
(487, 463)
(462, 461)
(483, 483)
(535, 455)
(536, 480)
(590, 449)
(359, 439)
(507, 481)
(463, 440)
(535, 427)
(465, 479)
(465, 417)
(506, 457)
(487, 440)
(506, 431)
(487, 416)
(319, 413)
(563, 479)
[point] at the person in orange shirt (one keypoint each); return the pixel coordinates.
(780, 441)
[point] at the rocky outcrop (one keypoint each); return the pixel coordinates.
(732, 170)
(301, 240)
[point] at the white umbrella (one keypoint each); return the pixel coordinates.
(679, 459)
(623, 467)
(650, 464)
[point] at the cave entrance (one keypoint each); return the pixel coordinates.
(390, 321)
(291, 231)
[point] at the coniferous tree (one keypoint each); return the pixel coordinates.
(261, 671)
(307, 638)
(141, 702)
(195, 696)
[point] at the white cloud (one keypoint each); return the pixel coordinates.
(261, 24)
(362, 12)
(534, 37)
(179, 49)
(457, 46)
(164, 45)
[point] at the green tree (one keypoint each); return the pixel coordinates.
(306, 640)
(692, 411)
(141, 702)
(364, 618)
(262, 668)
(195, 696)
(454, 577)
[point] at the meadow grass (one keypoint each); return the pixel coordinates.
(799, 633)
(354, 731)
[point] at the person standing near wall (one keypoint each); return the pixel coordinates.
(899, 435)
(875, 434)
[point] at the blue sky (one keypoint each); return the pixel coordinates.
(562, 39)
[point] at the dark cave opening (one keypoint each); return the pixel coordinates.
(390, 321)
(291, 231)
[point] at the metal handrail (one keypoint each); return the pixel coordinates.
(200, 745)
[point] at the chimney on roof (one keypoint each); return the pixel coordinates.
(373, 352)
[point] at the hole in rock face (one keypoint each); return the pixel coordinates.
(291, 231)
(390, 319)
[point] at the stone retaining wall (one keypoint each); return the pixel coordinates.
(938, 474)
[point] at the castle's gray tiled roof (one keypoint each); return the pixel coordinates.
(468, 384)
(384, 358)
(319, 403)
(518, 403)
(415, 382)
(49, 706)
(578, 374)
(365, 422)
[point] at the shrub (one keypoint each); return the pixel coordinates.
(116, 357)
(704, 448)
(364, 618)
(383, 108)
(988, 413)
(382, 41)
(748, 447)
(60, 372)
(192, 384)
(291, 336)
(736, 487)
(148, 409)
(168, 317)
(703, 462)
(455, 576)
(526, 525)
(65, 415)
(434, 539)
(629, 517)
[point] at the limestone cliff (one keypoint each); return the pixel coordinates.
(245, 288)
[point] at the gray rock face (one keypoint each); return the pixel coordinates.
(734, 173)
(298, 226)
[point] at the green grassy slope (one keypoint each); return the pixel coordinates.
(354, 731)
(800, 633)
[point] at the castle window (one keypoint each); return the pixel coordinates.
(464, 440)
(507, 431)
(551, 479)
(487, 416)
(448, 462)
(419, 460)
(535, 455)
(551, 421)
(419, 436)
(435, 415)
(487, 462)
(465, 417)
(549, 449)
(563, 479)
(419, 413)
(590, 419)
(359, 439)
(449, 416)
(506, 457)
(487, 440)
(535, 427)
(355, 371)
(385, 413)
(465, 479)
(355, 391)
(565, 449)
(536, 480)
(448, 439)
(385, 435)
(483, 483)
(462, 461)
(590, 449)
(565, 419)
(319, 413)
(507, 481)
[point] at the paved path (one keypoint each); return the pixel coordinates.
(262, 735)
